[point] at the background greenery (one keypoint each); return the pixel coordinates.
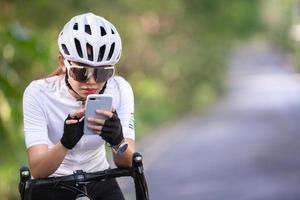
(174, 55)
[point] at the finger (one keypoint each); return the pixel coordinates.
(96, 120)
(71, 121)
(78, 113)
(95, 128)
(114, 110)
(105, 113)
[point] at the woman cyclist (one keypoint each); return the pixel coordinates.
(90, 47)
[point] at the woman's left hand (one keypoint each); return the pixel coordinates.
(110, 129)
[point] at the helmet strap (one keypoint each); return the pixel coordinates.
(103, 88)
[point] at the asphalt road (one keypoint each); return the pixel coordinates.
(246, 147)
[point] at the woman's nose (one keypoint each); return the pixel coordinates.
(91, 80)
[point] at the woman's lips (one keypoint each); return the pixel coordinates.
(89, 91)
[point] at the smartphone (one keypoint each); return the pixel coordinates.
(94, 102)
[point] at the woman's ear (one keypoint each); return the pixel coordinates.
(61, 62)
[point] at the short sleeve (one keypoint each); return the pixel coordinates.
(35, 125)
(126, 109)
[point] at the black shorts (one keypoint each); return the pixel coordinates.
(103, 190)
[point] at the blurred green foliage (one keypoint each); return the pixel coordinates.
(283, 27)
(174, 56)
(277, 17)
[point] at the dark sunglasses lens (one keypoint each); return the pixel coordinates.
(79, 74)
(102, 75)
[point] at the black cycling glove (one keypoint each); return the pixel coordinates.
(112, 130)
(72, 133)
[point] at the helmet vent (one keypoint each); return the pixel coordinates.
(101, 53)
(111, 51)
(75, 27)
(89, 49)
(87, 29)
(63, 46)
(78, 48)
(112, 31)
(103, 32)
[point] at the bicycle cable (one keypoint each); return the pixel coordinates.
(68, 187)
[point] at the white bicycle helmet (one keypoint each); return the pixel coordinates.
(91, 40)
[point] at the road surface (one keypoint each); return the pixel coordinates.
(246, 147)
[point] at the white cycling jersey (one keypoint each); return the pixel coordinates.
(47, 103)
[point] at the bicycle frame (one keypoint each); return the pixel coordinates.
(80, 179)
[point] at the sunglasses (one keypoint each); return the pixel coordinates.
(83, 74)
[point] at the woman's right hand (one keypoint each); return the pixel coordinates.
(73, 129)
(43, 161)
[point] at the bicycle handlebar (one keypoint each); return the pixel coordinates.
(81, 176)
(136, 172)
